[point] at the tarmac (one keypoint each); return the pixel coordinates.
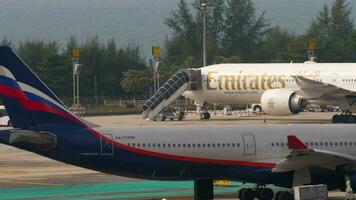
(24, 175)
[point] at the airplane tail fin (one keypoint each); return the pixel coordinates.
(28, 101)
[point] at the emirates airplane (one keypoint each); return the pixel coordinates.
(281, 155)
(281, 89)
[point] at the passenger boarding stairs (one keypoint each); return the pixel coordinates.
(183, 80)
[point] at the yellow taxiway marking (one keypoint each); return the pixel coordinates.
(30, 183)
(12, 171)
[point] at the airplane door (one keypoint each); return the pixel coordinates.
(249, 144)
(334, 78)
(107, 147)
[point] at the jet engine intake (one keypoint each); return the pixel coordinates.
(282, 102)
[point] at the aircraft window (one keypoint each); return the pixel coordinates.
(148, 144)
(277, 144)
(193, 145)
(272, 144)
(355, 143)
(198, 145)
(345, 143)
(228, 144)
(316, 144)
(169, 145)
(238, 144)
(138, 144)
(143, 144)
(164, 145)
(331, 144)
(188, 145)
(178, 145)
(218, 144)
(158, 145)
(208, 145)
(153, 145)
(341, 143)
(326, 144)
(282, 144)
(213, 144)
(321, 143)
(350, 143)
(233, 144)
(307, 143)
(223, 144)
(335, 143)
(128, 144)
(203, 145)
(183, 145)
(133, 144)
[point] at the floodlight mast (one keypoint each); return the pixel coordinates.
(204, 12)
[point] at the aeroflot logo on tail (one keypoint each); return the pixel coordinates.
(241, 81)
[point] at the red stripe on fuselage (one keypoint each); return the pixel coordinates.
(39, 106)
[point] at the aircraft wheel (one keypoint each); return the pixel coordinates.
(276, 196)
(285, 196)
(266, 194)
(257, 109)
(336, 119)
(205, 115)
(239, 194)
(9, 123)
(248, 194)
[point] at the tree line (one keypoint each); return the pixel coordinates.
(104, 62)
(236, 33)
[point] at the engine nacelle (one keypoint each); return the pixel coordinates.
(282, 102)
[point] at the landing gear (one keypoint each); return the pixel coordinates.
(205, 115)
(203, 189)
(345, 118)
(260, 193)
(283, 195)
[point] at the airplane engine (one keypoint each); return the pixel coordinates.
(282, 102)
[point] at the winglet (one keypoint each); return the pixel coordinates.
(295, 143)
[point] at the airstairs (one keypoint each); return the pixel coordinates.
(183, 80)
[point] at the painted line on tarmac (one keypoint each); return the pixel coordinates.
(132, 190)
(30, 183)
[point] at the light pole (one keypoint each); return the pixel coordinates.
(204, 9)
(156, 52)
(76, 71)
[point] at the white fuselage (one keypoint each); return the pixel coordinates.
(234, 142)
(245, 83)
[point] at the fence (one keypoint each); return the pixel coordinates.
(116, 105)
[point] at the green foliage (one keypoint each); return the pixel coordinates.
(341, 23)
(233, 30)
(137, 81)
(242, 30)
(105, 62)
(235, 33)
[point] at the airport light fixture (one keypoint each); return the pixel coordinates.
(204, 8)
(155, 63)
(76, 72)
(311, 51)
